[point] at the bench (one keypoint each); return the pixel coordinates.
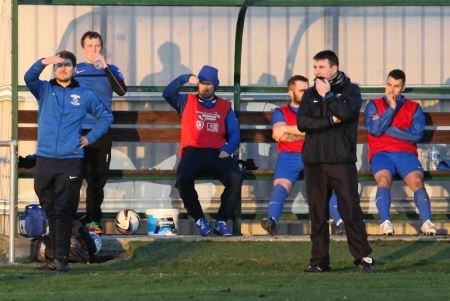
(164, 127)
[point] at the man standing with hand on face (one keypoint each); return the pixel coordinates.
(63, 106)
(102, 79)
(209, 137)
(395, 124)
(328, 114)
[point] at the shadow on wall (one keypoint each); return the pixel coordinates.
(132, 37)
(170, 57)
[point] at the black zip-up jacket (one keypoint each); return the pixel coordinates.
(326, 142)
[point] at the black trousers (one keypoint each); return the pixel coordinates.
(197, 162)
(57, 183)
(97, 158)
(321, 180)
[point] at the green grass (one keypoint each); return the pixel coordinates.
(269, 270)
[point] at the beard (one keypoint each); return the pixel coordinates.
(206, 95)
(64, 79)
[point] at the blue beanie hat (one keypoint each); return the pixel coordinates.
(209, 74)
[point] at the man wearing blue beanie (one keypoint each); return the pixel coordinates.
(209, 74)
(209, 137)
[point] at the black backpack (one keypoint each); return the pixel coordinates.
(82, 246)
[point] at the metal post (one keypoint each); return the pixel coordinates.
(13, 201)
(237, 91)
(12, 197)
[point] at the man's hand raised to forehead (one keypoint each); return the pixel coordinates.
(193, 80)
(52, 60)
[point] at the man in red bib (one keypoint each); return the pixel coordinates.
(289, 162)
(395, 124)
(209, 137)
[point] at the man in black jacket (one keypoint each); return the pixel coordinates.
(328, 114)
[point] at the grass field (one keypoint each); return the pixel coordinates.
(216, 270)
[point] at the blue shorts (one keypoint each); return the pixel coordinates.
(396, 162)
(289, 166)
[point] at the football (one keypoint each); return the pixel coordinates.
(127, 221)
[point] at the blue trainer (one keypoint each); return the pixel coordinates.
(203, 226)
(221, 228)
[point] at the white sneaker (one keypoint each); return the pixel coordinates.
(340, 227)
(428, 228)
(387, 228)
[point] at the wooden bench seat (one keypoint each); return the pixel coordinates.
(163, 126)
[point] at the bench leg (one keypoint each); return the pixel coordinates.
(237, 220)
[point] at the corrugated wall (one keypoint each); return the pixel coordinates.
(154, 44)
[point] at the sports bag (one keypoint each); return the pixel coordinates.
(33, 222)
(82, 246)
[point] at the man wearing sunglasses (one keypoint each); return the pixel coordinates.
(62, 108)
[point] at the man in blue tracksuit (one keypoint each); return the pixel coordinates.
(102, 79)
(63, 106)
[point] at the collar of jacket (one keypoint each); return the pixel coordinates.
(73, 83)
(339, 82)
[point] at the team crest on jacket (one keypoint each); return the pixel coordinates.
(75, 99)
(210, 119)
(199, 124)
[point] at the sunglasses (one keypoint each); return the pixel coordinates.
(60, 65)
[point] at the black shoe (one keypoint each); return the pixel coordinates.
(62, 265)
(51, 264)
(269, 225)
(316, 269)
(366, 265)
(47, 266)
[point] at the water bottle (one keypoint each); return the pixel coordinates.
(98, 65)
(434, 157)
(425, 155)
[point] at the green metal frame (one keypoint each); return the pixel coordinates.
(241, 2)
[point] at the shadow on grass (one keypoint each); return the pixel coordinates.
(149, 255)
(390, 256)
(408, 256)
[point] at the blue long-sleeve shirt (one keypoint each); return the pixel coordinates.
(61, 114)
(178, 101)
(383, 125)
(102, 83)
